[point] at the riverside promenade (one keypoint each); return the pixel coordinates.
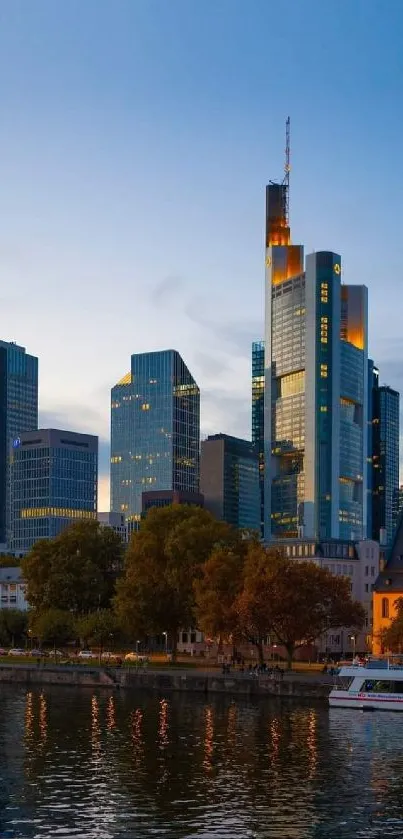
(292, 685)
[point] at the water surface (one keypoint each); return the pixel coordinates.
(102, 765)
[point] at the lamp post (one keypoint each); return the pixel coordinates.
(165, 634)
(137, 647)
(30, 638)
(352, 638)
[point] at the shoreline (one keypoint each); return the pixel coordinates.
(291, 686)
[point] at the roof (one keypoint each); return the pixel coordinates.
(10, 575)
(391, 578)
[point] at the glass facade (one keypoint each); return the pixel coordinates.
(385, 460)
(155, 431)
(258, 350)
(18, 413)
(316, 392)
(53, 482)
(230, 480)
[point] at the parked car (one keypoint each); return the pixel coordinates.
(136, 657)
(16, 651)
(36, 653)
(87, 654)
(3, 652)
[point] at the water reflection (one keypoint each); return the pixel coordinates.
(126, 765)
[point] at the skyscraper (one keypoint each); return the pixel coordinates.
(53, 483)
(384, 459)
(18, 412)
(229, 480)
(155, 431)
(258, 415)
(315, 389)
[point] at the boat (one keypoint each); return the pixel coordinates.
(376, 685)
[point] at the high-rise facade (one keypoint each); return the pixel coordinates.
(155, 431)
(229, 480)
(258, 415)
(384, 459)
(18, 413)
(53, 483)
(316, 399)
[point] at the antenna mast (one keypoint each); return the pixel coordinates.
(287, 168)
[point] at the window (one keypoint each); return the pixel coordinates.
(385, 607)
(372, 571)
(366, 587)
(323, 371)
(366, 570)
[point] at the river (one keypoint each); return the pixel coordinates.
(104, 765)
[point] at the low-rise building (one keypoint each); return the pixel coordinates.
(12, 589)
(388, 588)
(359, 561)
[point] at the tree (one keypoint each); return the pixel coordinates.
(216, 590)
(13, 626)
(98, 627)
(54, 626)
(156, 592)
(306, 601)
(392, 636)
(254, 605)
(74, 572)
(9, 561)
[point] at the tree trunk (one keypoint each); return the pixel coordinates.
(290, 655)
(259, 647)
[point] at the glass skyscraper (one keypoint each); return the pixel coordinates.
(53, 483)
(384, 459)
(258, 415)
(155, 431)
(18, 413)
(229, 480)
(316, 399)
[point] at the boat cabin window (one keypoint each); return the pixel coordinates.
(382, 686)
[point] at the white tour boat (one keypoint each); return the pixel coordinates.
(377, 685)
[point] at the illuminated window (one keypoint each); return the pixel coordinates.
(323, 371)
(145, 406)
(116, 459)
(292, 384)
(323, 409)
(324, 292)
(324, 324)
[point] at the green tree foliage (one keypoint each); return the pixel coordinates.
(54, 626)
(13, 626)
(8, 561)
(74, 572)
(98, 628)
(392, 636)
(156, 592)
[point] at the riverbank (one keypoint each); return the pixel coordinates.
(290, 686)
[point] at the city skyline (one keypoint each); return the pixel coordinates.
(131, 186)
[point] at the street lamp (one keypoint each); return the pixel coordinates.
(137, 647)
(165, 634)
(352, 638)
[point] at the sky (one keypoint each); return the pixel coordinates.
(136, 140)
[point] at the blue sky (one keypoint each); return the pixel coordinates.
(136, 140)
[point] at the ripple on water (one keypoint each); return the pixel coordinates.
(132, 767)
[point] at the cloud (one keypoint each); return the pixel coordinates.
(225, 412)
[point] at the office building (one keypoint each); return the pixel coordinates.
(53, 483)
(19, 412)
(117, 523)
(258, 416)
(155, 431)
(229, 480)
(166, 497)
(384, 459)
(388, 589)
(360, 563)
(316, 382)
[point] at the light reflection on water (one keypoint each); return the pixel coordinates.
(103, 766)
